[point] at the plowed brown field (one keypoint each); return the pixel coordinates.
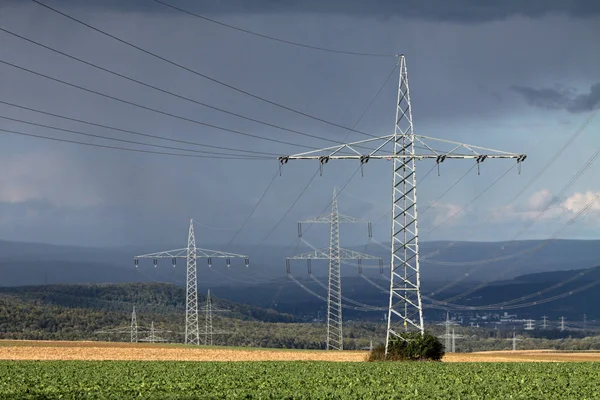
(62, 350)
(42, 350)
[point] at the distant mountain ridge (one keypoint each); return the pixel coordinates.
(35, 264)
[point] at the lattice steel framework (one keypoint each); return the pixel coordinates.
(208, 321)
(405, 311)
(208, 325)
(335, 254)
(134, 327)
(191, 253)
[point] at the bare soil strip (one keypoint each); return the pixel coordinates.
(523, 356)
(63, 350)
(148, 352)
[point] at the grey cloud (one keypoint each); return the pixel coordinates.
(462, 11)
(560, 98)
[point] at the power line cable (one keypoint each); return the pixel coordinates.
(550, 162)
(130, 150)
(273, 38)
(349, 132)
(219, 82)
(156, 88)
(448, 190)
(124, 140)
(290, 208)
(372, 101)
(255, 207)
(137, 133)
(131, 103)
(435, 228)
(571, 221)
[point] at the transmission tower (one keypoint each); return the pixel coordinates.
(514, 341)
(562, 323)
(208, 321)
(529, 325)
(335, 254)
(134, 327)
(191, 254)
(449, 336)
(405, 306)
(454, 337)
(544, 323)
(152, 338)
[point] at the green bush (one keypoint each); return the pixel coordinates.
(411, 346)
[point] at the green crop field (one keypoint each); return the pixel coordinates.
(296, 380)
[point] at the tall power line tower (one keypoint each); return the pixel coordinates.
(191, 253)
(405, 306)
(134, 327)
(335, 254)
(562, 323)
(544, 322)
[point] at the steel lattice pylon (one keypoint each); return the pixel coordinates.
(334, 289)
(208, 325)
(191, 254)
(335, 254)
(192, 331)
(134, 327)
(405, 310)
(405, 294)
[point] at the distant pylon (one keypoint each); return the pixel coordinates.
(562, 323)
(335, 254)
(544, 323)
(191, 254)
(447, 337)
(208, 325)
(134, 327)
(208, 321)
(514, 341)
(191, 291)
(152, 337)
(529, 325)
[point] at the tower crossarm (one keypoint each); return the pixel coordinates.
(326, 219)
(200, 253)
(323, 254)
(429, 148)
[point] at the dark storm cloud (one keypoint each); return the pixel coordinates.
(561, 99)
(462, 11)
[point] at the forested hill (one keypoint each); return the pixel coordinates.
(77, 311)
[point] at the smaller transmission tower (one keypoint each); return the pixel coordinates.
(584, 321)
(335, 254)
(514, 340)
(454, 337)
(562, 323)
(134, 327)
(208, 321)
(529, 325)
(208, 325)
(449, 336)
(152, 338)
(191, 254)
(544, 322)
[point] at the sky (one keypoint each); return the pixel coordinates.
(520, 77)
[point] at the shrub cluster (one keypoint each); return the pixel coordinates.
(410, 346)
